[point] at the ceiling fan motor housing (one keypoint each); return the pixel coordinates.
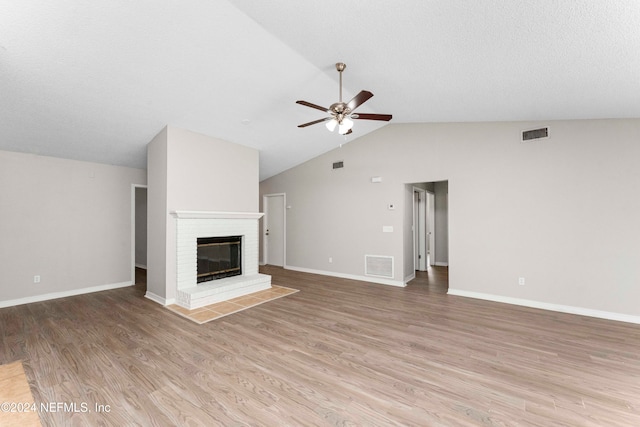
(340, 108)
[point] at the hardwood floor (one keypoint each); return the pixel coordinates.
(339, 352)
(17, 407)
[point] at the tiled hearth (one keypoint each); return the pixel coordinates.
(234, 305)
(194, 224)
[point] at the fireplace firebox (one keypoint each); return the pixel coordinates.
(219, 257)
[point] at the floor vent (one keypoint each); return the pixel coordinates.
(529, 135)
(338, 165)
(378, 266)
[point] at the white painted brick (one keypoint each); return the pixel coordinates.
(187, 232)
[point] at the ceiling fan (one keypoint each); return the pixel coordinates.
(341, 114)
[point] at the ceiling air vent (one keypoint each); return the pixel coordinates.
(529, 135)
(338, 165)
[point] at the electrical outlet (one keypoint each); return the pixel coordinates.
(36, 279)
(521, 281)
(330, 260)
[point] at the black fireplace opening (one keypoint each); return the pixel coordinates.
(219, 257)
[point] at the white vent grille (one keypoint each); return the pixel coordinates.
(378, 266)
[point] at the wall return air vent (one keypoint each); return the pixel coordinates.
(378, 266)
(528, 135)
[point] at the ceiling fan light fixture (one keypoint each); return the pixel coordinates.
(342, 114)
(345, 126)
(331, 125)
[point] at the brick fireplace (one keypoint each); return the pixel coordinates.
(192, 225)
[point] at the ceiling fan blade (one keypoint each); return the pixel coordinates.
(317, 107)
(365, 116)
(359, 99)
(304, 125)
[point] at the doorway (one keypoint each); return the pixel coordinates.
(420, 242)
(426, 232)
(138, 230)
(274, 229)
(423, 228)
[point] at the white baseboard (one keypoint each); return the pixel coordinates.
(409, 278)
(347, 276)
(548, 306)
(160, 300)
(63, 294)
(144, 267)
(441, 264)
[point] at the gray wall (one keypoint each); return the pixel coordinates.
(157, 215)
(560, 212)
(65, 220)
(192, 172)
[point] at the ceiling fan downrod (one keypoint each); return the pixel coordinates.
(340, 66)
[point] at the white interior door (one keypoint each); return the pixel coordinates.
(274, 229)
(416, 231)
(431, 228)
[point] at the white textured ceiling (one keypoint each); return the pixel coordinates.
(96, 80)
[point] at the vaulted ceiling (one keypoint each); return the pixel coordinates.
(96, 80)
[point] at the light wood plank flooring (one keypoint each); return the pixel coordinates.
(339, 352)
(17, 407)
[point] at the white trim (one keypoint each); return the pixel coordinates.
(409, 278)
(441, 264)
(548, 306)
(413, 227)
(157, 298)
(216, 215)
(63, 294)
(430, 215)
(369, 279)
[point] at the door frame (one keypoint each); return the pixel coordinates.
(265, 221)
(431, 227)
(419, 229)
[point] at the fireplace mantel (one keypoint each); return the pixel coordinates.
(216, 215)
